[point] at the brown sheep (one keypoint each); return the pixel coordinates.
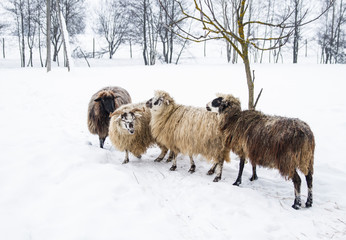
(101, 105)
(286, 144)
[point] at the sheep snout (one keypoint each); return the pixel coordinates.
(149, 103)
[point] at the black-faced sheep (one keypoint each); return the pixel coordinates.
(101, 105)
(187, 130)
(286, 144)
(129, 131)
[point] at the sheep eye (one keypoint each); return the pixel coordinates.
(157, 102)
(133, 116)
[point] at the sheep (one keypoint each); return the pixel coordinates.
(188, 130)
(129, 131)
(101, 105)
(286, 144)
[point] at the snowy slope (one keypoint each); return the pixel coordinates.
(56, 183)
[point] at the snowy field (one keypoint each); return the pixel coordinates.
(57, 184)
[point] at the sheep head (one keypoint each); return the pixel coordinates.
(160, 100)
(224, 102)
(127, 118)
(106, 99)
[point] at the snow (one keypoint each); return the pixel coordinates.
(56, 183)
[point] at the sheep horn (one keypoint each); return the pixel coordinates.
(116, 113)
(138, 110)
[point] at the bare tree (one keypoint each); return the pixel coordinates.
(207, 14)
(332, 36)
(144, 27)
(17, 8)
(31, 27)
(169, 12)
(112, 23)
(208, 17)
(73, 12)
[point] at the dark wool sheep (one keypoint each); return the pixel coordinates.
(286, 144)
(101, 105)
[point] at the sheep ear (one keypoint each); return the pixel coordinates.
(223, 106)
(97, 99)
(138, 115)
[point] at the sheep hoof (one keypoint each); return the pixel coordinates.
(169, 160)
(296, 207)
(210, 172)
(192, 169)
(158, 159)
(139, 156)
(216, 179)
(308, 204)
(297, 204)
(125, 161)
(253, 178)
(237, 183)
(173, 168)
(102, 142)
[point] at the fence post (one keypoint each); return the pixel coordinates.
(3, 47)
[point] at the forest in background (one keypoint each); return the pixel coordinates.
(163, 29)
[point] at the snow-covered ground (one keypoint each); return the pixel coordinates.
(56, 183)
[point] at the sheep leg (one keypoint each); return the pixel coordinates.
(309, 183)
(297, 182)
(240, 173)
(254, 174)
(162, 154)
(170, 157)
(126, 160)
(102, 142)
(174, 165)
(212, 169)
(193, 166)
(218, 171)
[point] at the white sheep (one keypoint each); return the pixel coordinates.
(188, 130)
(129, 131)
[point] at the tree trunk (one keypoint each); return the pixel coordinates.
(296, 33)
(93, 47)
(55, 54)
(49, 57)
(23, 40)
(145, 48)
(250, 83)
(63, 29)
(245, 54)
